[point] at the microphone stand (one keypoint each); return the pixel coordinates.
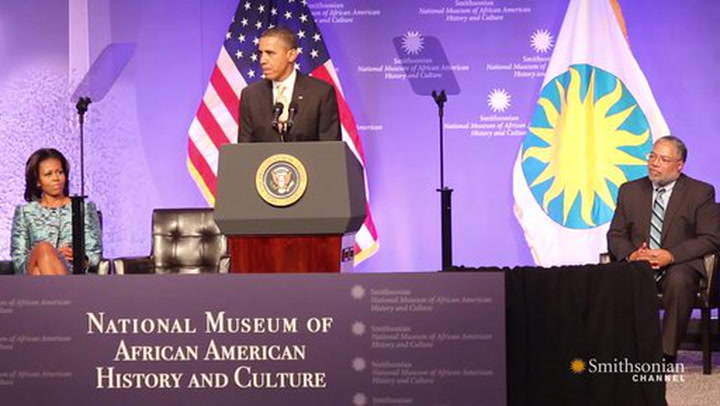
(275, 123)
(445, 192)
(292, 110)
(78, 202)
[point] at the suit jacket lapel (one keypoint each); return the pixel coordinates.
(676, 199)
(298, 96)
(299, 90)
(266, 101)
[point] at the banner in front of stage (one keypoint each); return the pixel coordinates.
(254, 339)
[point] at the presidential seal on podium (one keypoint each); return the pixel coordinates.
(281, 180)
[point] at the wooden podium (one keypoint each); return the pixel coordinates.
(290, 207)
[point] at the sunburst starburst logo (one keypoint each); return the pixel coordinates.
(577, 366)
(359, 364)
(541, 41)
(360, 399)
(357, 292)
(358, 328)
(413, 43)
(499, 100)
(587, 137)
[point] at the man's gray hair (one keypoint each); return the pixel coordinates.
(679, 145)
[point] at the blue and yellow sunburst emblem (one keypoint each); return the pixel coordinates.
(587, 137)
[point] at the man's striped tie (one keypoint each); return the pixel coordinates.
(656, 223)
(282, 99)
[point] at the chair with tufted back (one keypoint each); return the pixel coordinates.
(184, 241)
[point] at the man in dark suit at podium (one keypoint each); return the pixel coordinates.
(309, 107)
(671, 221)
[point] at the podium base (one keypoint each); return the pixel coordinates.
(291, 253)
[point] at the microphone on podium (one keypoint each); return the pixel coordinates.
(292, 111)
(277, 111)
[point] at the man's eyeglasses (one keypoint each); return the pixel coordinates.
(665, 160)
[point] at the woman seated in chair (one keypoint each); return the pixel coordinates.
(42, 228)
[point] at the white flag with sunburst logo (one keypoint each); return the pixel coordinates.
(594, 123)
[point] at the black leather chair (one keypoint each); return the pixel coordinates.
(706, 300)
(184, 241)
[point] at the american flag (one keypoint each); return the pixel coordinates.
(217, 118)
